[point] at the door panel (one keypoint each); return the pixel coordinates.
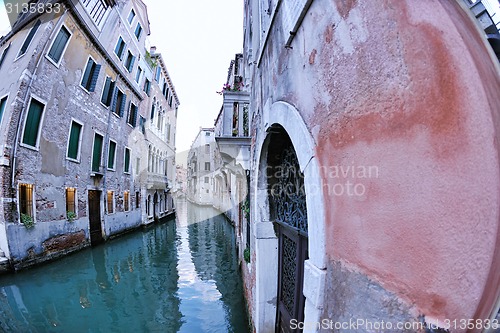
(95, 217)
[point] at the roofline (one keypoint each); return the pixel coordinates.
(167, 75)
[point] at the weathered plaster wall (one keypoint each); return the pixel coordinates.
(409, 88)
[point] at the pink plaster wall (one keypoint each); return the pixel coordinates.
(412, 91)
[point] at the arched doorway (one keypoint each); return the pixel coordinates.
(288, 212)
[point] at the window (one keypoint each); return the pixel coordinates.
(170, 101)
(131, 16)
(129, 63)
(4, 54)
(97, 152)
(26, 199)
(110, 202)
(107, 92)
(111, 155)
(119, 101)
(142, 123)
(207, 133)
(132, 115)
(120, 48)
(29, 38)
(126, 162)
(137, 165)
(207, 180)
(32, 125)
(126, 201)
(3, 103)
(153, 107)
(90, 75)
(158, 74)
(138, 31)
(165, 89)
(71, 199)
(59, 45)
(168, 132)
(138, 75)
(137, 199)
(147, 86)
(207, 166)
(207, 149)
(74, 140)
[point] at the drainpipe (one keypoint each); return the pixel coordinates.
(26, 98)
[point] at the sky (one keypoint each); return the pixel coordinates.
(197, 39)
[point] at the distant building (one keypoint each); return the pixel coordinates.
(87, 128)
(200, 168)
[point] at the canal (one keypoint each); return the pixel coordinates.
(180, 276)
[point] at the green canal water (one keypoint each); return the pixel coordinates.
(180, 276)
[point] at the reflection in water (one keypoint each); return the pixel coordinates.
(210, 285)
(172, 278)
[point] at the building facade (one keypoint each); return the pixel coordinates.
(374, 166)
(76, 93)
(200, 168)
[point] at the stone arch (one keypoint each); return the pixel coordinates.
(287, 117)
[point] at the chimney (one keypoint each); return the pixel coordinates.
(152, 50)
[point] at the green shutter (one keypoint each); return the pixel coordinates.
(86, 75)
(74, 140)
(32, 123)
(95, 76)
(105, 93)
(3, 103)
(96, 156)
(59, 44)
(28, 39)
(122, 105)
(111, 155)
(127, 160)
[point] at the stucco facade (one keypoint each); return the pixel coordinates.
(392, 110)
(94, 104)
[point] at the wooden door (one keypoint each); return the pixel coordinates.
(95, 217)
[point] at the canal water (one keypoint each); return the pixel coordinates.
(180, 276)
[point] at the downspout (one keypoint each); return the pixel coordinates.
(26, 98)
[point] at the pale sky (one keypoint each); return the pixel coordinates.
(197, 39)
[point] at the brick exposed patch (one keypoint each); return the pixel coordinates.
(63, 242)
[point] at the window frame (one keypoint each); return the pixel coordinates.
(132, 62)
(113, 202)
(120, 56)
(33, 207)
(80, 139)
(19, 55)
(114, 155)
(130, 21)
(207, 164)
(139, 28)
(118, 106)
(2, 112)
(91, 76)
(138, 75)
(125, 160)
(58, 63)
(133, 124)
(40, 124)
(75, 200)
(100, 156)
(126, 207)
(110, 93)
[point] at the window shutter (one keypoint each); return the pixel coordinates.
(122, 106)
(105, 92)
(114, 99)
(118, 47)
(3, 103)
(74, 140)
(95, 76)
(86, 75)
(32, 123)
(131, 67)
(4, 55)
(127, 160)
(59, 44)
(28, 39)
(135, 116)
(96, 155)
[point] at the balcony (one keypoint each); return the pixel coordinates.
(232, 134)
